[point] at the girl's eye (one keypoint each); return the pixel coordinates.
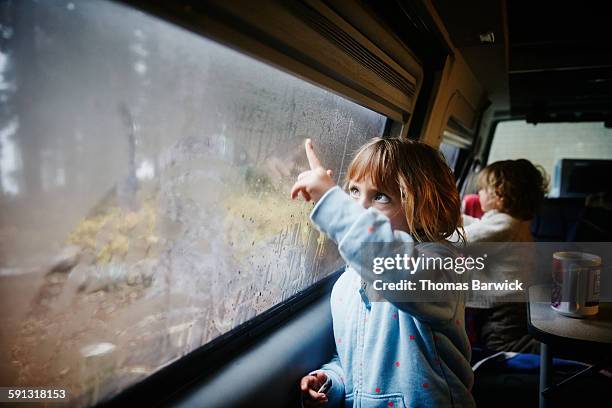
(354, 192)
(381, 198)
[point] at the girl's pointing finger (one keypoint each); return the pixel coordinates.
(313, 160)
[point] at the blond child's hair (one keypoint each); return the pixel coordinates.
(419, 172)
(518, 184)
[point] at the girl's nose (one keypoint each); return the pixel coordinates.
(365, 203)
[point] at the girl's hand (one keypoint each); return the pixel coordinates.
(313, 183)
(309, 385)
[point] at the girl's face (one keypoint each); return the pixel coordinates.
(488, 199)
(387, 203)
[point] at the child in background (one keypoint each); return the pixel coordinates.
(389, 354)
(510, 193)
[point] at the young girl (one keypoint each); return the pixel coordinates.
(510, 193)
(389, 354)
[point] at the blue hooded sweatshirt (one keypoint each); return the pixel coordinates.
(390, 353)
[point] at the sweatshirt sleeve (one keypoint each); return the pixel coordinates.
(350, 226)
(468, 220)
(494, 228)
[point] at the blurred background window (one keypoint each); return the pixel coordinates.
(547, 143)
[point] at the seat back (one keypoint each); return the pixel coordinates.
(556, 218)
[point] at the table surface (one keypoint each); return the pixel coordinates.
(595, 329)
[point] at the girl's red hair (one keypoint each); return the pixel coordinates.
(425, 182)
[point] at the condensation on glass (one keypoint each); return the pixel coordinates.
(145, 175)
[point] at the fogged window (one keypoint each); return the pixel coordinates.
(546, 143)
(145, 176)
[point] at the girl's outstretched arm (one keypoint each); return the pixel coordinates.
(363, 235)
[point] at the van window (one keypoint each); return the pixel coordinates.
(451, 154)
(144, 202)
(547, 143)
(456, 140)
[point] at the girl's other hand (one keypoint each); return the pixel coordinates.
(313, 183)
(309, 386)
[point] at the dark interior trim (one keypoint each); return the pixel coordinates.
(419, 115)
(268, 373)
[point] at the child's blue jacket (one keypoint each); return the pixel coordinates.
(390, 354)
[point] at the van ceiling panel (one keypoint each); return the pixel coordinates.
(560, 61)
(465, 21)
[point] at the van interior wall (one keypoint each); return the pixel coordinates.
(269, 372)
(459, 96)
